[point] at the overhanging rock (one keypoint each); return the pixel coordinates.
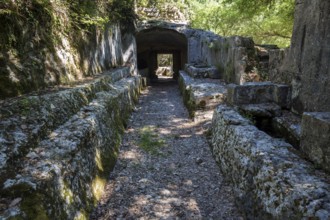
(270, 181)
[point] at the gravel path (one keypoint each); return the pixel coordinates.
(176, 178)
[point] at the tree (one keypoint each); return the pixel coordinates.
(267, 21)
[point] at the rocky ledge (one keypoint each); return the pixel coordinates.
(55, 157)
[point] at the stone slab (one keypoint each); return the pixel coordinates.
(200, 94)
(288, 125)
(207, 95)
(315, 138)
(259, 92)
(200, 71)
(263, 110)
(270, 181)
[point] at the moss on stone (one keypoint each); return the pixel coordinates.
(33, 207)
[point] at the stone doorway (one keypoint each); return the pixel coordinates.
(153, 42)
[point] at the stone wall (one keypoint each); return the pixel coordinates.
(269, 178)
(234, 57)
(308, 58)
(57, 149)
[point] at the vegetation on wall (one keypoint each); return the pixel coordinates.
(31, 30)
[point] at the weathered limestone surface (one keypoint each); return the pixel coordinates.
(61, 174)
(197, 71)
(256, 93)
(315, 138)
(26, 121)
(269, 180)
(288, 125)
(234, 57)
(66, 64)
(263, 110)
(308, 59)
(276, 58)
(201, 94)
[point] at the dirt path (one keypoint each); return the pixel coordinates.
(174, 176)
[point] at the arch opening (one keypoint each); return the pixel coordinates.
(154, 42)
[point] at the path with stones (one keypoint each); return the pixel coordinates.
(180, 180)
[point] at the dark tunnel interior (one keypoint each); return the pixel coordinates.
(154, 41)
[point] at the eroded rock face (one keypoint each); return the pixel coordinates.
(61, 174)
(315, 138)
(276, 59)
(66, 63)
(269, 180)
(308, 58)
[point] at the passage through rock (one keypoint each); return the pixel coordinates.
(165, 168)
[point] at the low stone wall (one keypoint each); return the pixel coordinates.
(27, 120)
(58, 169)
(270, 181)
(200, 94)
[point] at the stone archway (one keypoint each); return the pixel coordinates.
(156, 40)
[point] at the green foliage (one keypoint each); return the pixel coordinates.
(85, 14)
(122, 11)
(150, 141)
(268, 22)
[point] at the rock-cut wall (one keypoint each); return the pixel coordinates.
(70, 58)
(309, 57)
(57, 149)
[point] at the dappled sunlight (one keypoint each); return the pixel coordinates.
(98, 160)
(132, 155)
(173, 181)
(98, 186)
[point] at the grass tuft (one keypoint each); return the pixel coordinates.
(150, 141)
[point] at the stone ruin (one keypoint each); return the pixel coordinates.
(268, 109)
(271, 139)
